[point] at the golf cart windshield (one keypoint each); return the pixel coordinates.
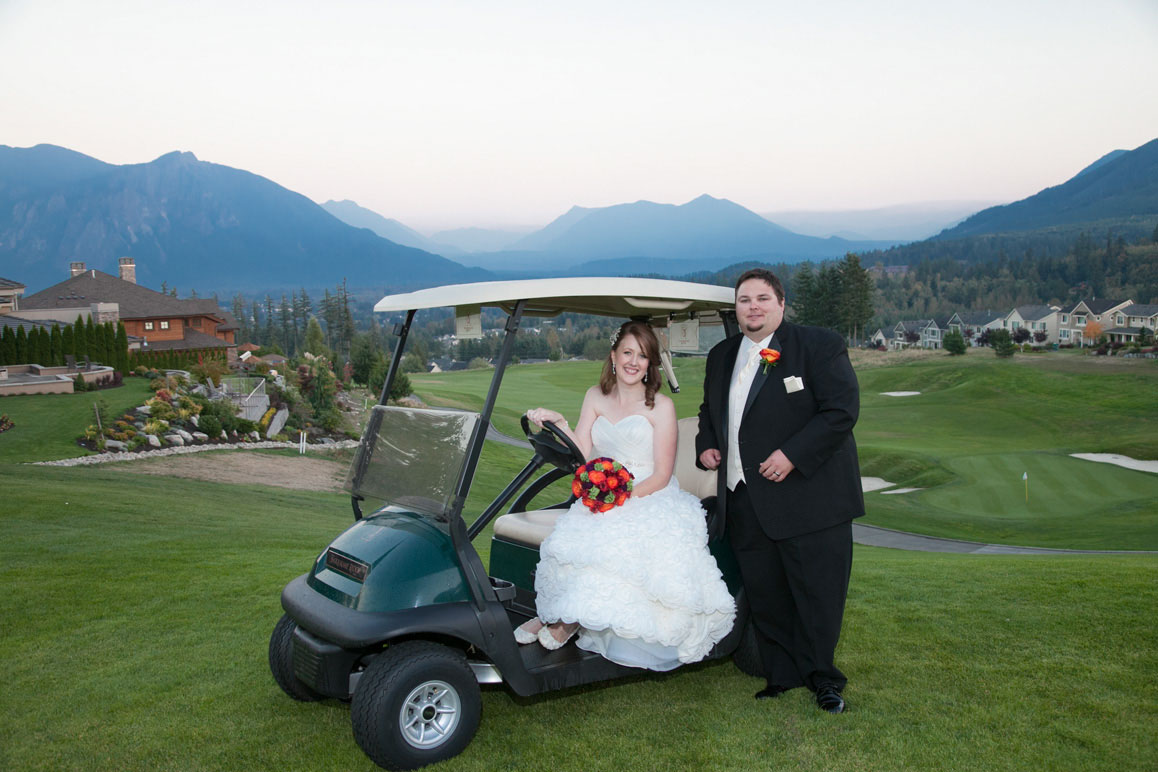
(412, 458)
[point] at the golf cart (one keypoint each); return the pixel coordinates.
(398, 614)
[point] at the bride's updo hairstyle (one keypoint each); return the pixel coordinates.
(642, 333)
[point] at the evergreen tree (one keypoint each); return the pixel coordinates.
(91, 341)
(8, 347)
(122, 347)
(237, 308)
(303, 309)
(315, 340)
(79, 338)
(1002, 343)
(43, 351)
(855, 308)
(954, 343)
(21, 347)
(803, 290)
(255, 323)
(57, 343)
(285, 314)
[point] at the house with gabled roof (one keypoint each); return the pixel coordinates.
(928, 333)
(160, 321)
(971, 324)
(883, 338)
(1036, 319)
(1133, 322)
(10, 292)
(1072, 322)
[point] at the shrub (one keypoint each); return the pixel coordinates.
(954, 343)
(1002, 343)
(210, 424)
(5, 423)
(78, 383)
(478, 363)
(137, 441)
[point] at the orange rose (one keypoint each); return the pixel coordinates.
(597, 477)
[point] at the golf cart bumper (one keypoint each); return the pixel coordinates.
(359, 631)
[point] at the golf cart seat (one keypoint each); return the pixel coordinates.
(532, 527)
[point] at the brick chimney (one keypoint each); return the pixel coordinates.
(128, 270)
(75, 269)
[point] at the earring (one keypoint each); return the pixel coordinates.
(645, 377)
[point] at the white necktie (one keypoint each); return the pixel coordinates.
(737, 399)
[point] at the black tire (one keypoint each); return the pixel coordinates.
(747, 654)
(411, 689)
(281, 661)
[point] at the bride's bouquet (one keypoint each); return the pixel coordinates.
(602, 484)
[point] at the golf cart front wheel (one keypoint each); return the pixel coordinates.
(417, 703)
(281, 661)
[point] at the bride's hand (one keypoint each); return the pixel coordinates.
(540, 414)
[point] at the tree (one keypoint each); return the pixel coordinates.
(954, 343)
(1002, 343)
(365, 355)
(315, 340)
(1094, 332)
(21, 347)
(1021, 335)
(1040, 336)
(399, 389)
(57, 342)
(122, 346)
(855, 293)
(803, 290)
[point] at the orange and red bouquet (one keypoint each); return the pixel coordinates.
(770, 357)
(602, 484)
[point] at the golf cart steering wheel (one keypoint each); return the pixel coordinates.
(553, 446)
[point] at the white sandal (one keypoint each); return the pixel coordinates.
(550, 642)
(524, 636)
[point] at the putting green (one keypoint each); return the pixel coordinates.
(1070, 501)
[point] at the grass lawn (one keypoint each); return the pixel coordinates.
(47, 425)
(136, 616)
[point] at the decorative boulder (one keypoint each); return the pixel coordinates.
(186, 436)
(194, 420)
(255, 436)
(115, 445)
(144, 410)
(277, 423)
(201, 436)
(174, 439)
(153, 440)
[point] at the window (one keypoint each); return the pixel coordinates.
(164, 325)
(148, 325)
(1063, 334)
(1121, 320)
(1080, 320)
(1065, 319)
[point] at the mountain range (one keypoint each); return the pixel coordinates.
(190, 224)
(203, 226)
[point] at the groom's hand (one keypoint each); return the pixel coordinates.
(710, 458)
(776, 467)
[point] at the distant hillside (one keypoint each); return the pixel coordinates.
(704, 234)
(478, 239)
(1118, 186)
(361, 217)
(902, 222)
(191, 224)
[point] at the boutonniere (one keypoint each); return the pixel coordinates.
(770, 357)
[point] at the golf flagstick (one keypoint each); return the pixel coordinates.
(1025, 476)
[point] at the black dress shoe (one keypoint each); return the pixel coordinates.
(829, 699)
(770, 692)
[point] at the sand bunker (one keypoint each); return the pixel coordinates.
(869, 484)
(901, 490)
(899, 393)
(1124, 461)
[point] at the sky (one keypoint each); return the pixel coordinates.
(452, 113)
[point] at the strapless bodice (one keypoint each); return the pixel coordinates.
(628, 441)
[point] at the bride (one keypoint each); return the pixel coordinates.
(637, 583)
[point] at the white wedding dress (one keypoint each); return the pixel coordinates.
(638, 579)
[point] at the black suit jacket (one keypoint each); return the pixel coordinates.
(812, 426)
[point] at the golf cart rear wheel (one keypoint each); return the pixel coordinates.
(281, 661)
(417, 703)
(747, 654)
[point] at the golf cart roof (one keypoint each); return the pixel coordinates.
(600, 295)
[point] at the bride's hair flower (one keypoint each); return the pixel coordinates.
(602, 484)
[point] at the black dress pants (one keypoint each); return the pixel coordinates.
(796, 590)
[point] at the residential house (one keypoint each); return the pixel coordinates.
(161, 322)
(928, 332)
(1130, 322)
(971, 324)
(10, 292)
(882, 338)
(1037, 319)
(1072, 322)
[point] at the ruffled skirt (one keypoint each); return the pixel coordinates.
(639, 580)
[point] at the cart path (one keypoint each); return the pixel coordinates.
(875, 536)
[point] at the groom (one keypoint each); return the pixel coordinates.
(781, 434)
